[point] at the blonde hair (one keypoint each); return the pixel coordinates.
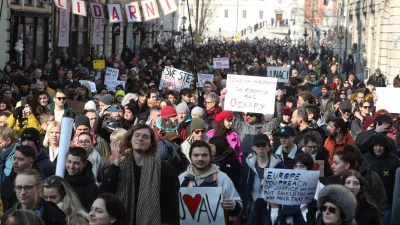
(48, 131)
(8, 133)
(121, 136)
(21, 216)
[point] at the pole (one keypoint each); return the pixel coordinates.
(1, 8)
(237, 16)
(191, 34)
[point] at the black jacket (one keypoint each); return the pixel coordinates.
(51, 214)
(105, 126)
(232, 167)
(169, 189)
(366, 214)
(44, 164)
(84, 186)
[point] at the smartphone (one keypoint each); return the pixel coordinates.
(114, 108)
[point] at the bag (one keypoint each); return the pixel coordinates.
(172, 153)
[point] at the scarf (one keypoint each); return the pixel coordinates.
(218, 159)
(213, 112)
(4, 154)
(147, 209)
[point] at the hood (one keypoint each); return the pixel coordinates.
(252, 159)
(365, 165)
(201, 178)
(85, 177)
(381, 140)
(159, 126)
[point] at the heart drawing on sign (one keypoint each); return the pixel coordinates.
(192, 203)
(316, 166)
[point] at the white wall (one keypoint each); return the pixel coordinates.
(3, 35)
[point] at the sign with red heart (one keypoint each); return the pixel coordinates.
(201, 205)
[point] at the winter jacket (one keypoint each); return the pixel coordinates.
(364, 139)
(233, 140)
(32, 122)
(7, 166)
(250, 182)
(333, 147)
(396, 214)
(308, 130)
(105, 126)
(244, 129)
(44, 164)
(84, 186)
(185, 146)
(377, 81)
(231, 166)
(367, 215)
(289, 161)
(223, 181)
(67, 110)
(396, 81)
(355, 127)
(384, 165)
(51, 214)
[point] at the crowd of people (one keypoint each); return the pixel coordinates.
(133, 147)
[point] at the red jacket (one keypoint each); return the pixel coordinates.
(333, 147)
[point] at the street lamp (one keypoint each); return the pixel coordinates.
(340, 36)
(305, 36)
(183, 29)
(219, 30)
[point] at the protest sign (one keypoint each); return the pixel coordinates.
(111, 79)
(111, 84)
(202, 78)
(111, 74)
(174, 79)
(90, 84)
(201, 205)
(282, 73)
(250, 94)
(221, 63)
(289, 187)
(387, 99)
(99, 64)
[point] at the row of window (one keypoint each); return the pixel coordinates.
(244, 14)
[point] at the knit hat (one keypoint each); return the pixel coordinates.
(287, 111)
(106, 99)
(316, 92)
(197, 124)
(345, 105)
(31, 134)
(168, 112)
(90, 105)
(183, 107)
(340, 196)
(198, 110)
(222, 116)
(132, 106)
(336, 100)
(82, 120)
(120, 93)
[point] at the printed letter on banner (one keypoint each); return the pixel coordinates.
(150, 10)
(174, 79)
(282, 73)
(97, 10)
(133, 12)
(114, 11)
(63, 29)
(221, 63)
(79, 7)
(63, 4)
(168, 6)
(96, 35)
(250, 94)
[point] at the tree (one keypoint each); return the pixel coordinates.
(203, 12)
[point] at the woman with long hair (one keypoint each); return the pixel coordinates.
(5, 105)
(58, 191)
(107, 209)
(40, 103)
(367, 212)
(223, 126)
(52, 140)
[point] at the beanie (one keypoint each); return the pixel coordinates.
(120, 93)
(168, 112)
(336, 100)
(31, 134)
(90, 105)
(183, 107)
(106, 99)
(222, 116)
(82, 120)
(316, 92)
(198, 110)
(287, 111)
(132, 106)
(197, 124)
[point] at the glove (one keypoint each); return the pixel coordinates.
(274, 214)
(18, 112)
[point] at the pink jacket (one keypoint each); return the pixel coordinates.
(234, 142)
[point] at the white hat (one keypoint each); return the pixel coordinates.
(90, 105)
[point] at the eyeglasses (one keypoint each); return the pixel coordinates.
(342, 93)
(199, 131)
(61, 98)
(329, 208)
(208, 102)
(346, 111)
(84, 142)
(27, 188)
(367, 107)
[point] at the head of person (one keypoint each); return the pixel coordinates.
(186, 94)
(172, 96)
(197, 112)
(91, 115)
(378, 72)
(261, 145)
(3, 118)
(324, 90)
(286, 115)
(384, 120)
(155, 113)
(183, 111)
(303, 161)
(119, 95)
(337, 127)
(345, 109)
(7, 138)
(131, 109)
(21, 216)
(85, 140)
(165, 102)
(299, 117)
(313, 112)
(43, 98)
(253, 118)
(27, 188)
(120, 136)
(223, 123)
(211, 101)
(208, 87)
(353, 181)
(142, 139)
(311, 144)
(24, 158)
(343, 160)
(76, 160)
(105, 100)
(31, 137)
(197, 128)
(287, 137)
(200, 155)
(107, 209)
(152, 96)
(52, 136)
(82, 124)
(304, 97)
(365, 108)
(60, 98)
(219, 145)
(337, 205)
(379, 146)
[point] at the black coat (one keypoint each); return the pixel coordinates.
(232, 167)
(84, 186)
(367, 215)
(44, 164)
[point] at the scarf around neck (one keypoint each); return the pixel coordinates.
(218, 159)
(4, 154)
(147, 209)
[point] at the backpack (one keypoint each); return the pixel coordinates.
(172, 153)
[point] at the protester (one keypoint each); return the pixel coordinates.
(107, 209)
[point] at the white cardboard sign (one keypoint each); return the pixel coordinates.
(387, 99)
(221, 63)
(282, 73)
(202, 78)
(174, 79)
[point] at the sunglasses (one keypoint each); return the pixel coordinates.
(346, 111)
(61, 98)
(329, 208)
(342, 93)
(199, 131)
(366, 107)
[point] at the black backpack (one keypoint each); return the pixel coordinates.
(172, 153)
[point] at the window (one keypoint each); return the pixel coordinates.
(244, 14)
(226, 13)
(209, 13)
(261, 14)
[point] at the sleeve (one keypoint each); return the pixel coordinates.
(10, 121)
(229, 192)
(33, 122)
(379, 191)
(169, 194)
(110, 181)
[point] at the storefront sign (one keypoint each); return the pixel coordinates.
(63, 29)
(96, 32)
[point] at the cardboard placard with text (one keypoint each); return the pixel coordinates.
(99, 64)
(202, 78)
(281, 73)
(221, 63)
(174, 79)
(387, 100)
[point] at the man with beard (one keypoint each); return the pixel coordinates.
(301, 124)
(202, 173)
(339, 136)
(107, 122)
(168, 122)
